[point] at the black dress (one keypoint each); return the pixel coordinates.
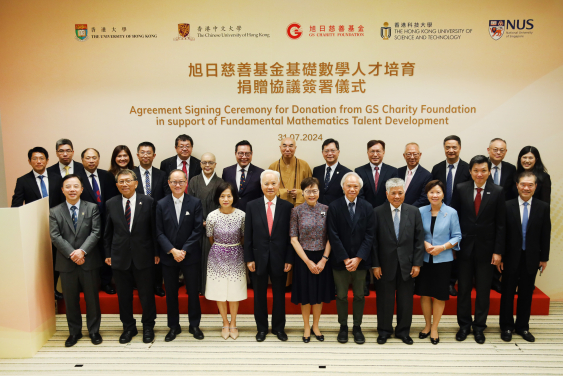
(434, 279)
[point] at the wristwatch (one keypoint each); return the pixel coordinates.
(325, 257)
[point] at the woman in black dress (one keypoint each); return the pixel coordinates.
(529, 159)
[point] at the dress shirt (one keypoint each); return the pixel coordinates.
(332, 169)
(142, 177)
(274, 201)
(45, 180)
(521, 206)
(97, 177)
(178, 206)
(70, 170)
(454, 170)
(348, 203)
(393, 210)
(493, 171)
(132, 202)
(69, 205)
(413, 172)
(180, 165)
(239, 173)
(373, 169)
(475, 190)
(205, 180)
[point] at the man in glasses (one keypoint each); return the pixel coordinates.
(183, 159)
(330, 173)
(415, 176)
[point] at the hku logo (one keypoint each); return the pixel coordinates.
(81, 31)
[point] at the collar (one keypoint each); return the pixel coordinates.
(245, 168)
(90, 173)
(77, 205)
(483, 187)
(274, 201)
(494, 165)
(132, 199)
(374, 166)
(62, 166)
(400, 207)
(454, 164)
(37, 175)
(521, 202)
(333, 167)
(178, 200)
(142, 170)
(179, 161)
(206, 181)
(348, 202)
(413, 170)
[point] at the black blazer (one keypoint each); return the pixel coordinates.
(262, 248)
(507, 179)
(159, 183)
(108, 189)
(416, 193)
(333, 191)
(462, 175)
(138, 246)
(55, 181)
(169, 164)
(408, 251)
(484, 233)
(251, 189)
(368, 192)
(27, 191)
(185, 235)
(538, 236)
(349, 239)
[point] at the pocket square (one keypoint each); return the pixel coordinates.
(187, 213)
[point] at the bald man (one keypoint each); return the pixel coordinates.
(292, 171)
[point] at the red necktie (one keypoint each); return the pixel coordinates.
(270, 217)
(185, 172)
(478, 200)
(376, 177)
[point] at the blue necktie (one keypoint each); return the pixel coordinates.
(496, 176)
(396, 222)
(327, 177)
(449, 185)
(351, 210)
(74, 216)
(148, 183)
(44, 192)
(524, 225)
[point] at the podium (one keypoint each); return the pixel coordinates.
(27, 306)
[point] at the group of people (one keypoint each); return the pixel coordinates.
(408, 230)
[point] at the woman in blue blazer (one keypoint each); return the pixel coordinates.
(441, 234)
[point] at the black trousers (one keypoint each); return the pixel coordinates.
(482, 270)
(55, 272)
(106, 273)
(72, 282)
(525, 282)
(125, 280)
(158, 275)
(191, 277)
(260, 283)
(386, 292)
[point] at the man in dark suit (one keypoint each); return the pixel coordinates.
(415, 176)
(99, 186)
(183, 159)
(74, 226)
(152, 182)
(244, 175)
(451, 172)
(330, 174)
(131, 250)
(179, 226)
(481, 210)
(528, 234)
(398, 254)
(35, 185)
(268, 253)
(350, 229)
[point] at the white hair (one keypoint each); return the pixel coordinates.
(394, 182)
(265, 172)
(351, 174)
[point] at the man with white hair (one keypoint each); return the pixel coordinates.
(350, 230)
(398, 254)
(268, 253)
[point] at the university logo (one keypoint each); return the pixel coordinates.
(386, 31)
(294, 31)
(184, 32)
(81, 31)
(496, 29)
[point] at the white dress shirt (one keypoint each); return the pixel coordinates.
(373, 169)
(69, 205)
(45, 180)
(205, 180)
(454, 170)
(493, 171)
(70, 170)
(142, 178)
(332, 169)
(273, 207)
(348, 202)
(521, 205)
(178, 206)
(180, 165)
(393, 210)
(97, 177)
(475, 190)
(239, 174)
(132, 202)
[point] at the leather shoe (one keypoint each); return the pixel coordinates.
(96, 338)
(406, 339)
(434, 341)
(319, 338)
(462, 334)
(453, 291)
(59, 295)
(506, 335)
(526, 335)
(148, 335)
(306, 339)
(358, 335)
(261, 336)
(127, 335)
(422, 335)
(159, 291)
(496, 285)
(172, 333)
(343, 334)
(108, 289)
(382, 339)
(479, 337)
(72, 339)
(197, 333)
(281, 335)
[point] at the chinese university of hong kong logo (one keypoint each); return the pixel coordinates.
(184, 32)
(294, 31)
(81, 31)
(386, 31)
(496, 29)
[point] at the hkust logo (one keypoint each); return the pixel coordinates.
(386, 31)
(81, 31)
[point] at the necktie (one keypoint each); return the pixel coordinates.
(74, 216)
(376, 177)
(270, 217)
(178, 207)
(409, 177)
(327, 177)
(524, 225)
(66, 169)
(44, 192)
(396, 223)
(351, 210)
(478, 200)
(242, 179)
(186, 172)
(148, 183)
(128, 214)
(96, 189)
(496, 176)
(449, 184)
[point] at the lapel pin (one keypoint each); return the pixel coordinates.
(323, 214)
(337, 172)
(82, 213)
(445, 214)
(140, 203)
(488, 193)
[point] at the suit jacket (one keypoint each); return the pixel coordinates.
(462, 174)
(251, 189)
(138, 246)
(159, 183)
(416, 193)
(27, 191)
(446, 230)
(185, 235)
(485, 232)
(407, 251)
(350, 238)
(169, 164)
(507, 179)
(334, 191)
(368, 192)
(262, 248)
(108, 189)
(538, 236)
(55, 181)
(66, 239)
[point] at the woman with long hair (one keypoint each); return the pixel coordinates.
(529, 159)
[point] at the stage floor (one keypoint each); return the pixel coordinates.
(187, 356)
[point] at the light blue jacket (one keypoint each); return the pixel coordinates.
(446, 229)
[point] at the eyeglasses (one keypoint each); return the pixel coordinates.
(372, 152)
(145, 153)
(64, 151)
(181, 182)
(38, 159)
(329, 151)
(502, 151)
(413, 155)
(188, 147)
(240, 154)
(312, 192)
(208, 163)
(128, 181)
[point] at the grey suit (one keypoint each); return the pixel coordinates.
(67, 239)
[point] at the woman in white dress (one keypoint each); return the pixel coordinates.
(226, 270)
